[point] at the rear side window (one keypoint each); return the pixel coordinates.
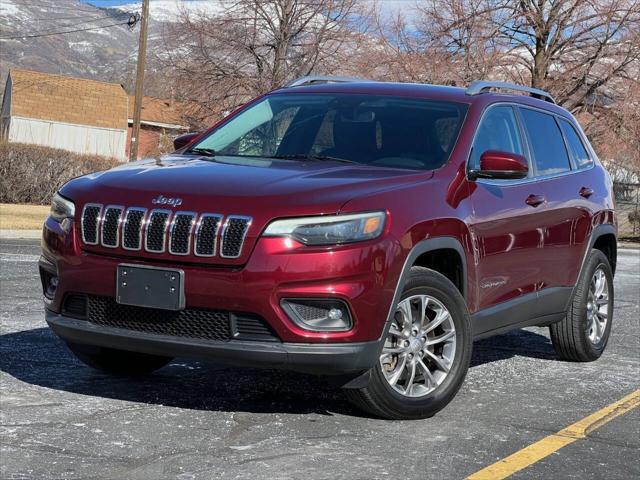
(549, 152)
(498, 131)
(579, 152)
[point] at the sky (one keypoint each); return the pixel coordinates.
(107, 3)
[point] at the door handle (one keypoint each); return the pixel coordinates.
(535, 200)
(586, 192)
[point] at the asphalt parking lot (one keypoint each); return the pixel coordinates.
(191, 420)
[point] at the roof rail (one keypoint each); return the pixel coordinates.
(482, 86)
(311, 79)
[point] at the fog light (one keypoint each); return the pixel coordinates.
(318, 315)
(50, 291)
(48, 278)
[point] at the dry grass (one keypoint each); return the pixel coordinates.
(22, 217)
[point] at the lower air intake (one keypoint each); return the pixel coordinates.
(218, 325)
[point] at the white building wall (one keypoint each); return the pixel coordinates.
(83, 139)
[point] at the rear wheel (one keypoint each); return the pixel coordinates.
(426, 353)
(583, 334)
(118, 361)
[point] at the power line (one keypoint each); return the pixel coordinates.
(131, 23)
(53, 6)
(75, 24)
(115, 14)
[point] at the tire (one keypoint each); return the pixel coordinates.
(573, 337)
(379, 397)
(116, 361)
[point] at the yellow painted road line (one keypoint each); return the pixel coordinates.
(545, 447)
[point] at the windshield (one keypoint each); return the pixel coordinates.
(376, 130)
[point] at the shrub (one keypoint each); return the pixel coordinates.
(32, 173)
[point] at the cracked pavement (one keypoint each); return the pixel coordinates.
(196, 420)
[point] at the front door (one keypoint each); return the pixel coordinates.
(509, 219)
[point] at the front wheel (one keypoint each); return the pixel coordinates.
(426, 352)
(112, 360)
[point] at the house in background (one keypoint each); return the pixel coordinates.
(79, 115)
(160, 122)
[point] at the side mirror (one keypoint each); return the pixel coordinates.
(501, 166)
(184, 140)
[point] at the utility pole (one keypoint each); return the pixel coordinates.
(137, 108)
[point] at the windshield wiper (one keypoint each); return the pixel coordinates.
(207, 152)
(310, 156)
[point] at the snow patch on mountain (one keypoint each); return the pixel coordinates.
(170, 10)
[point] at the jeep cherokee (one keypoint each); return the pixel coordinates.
(365, 230)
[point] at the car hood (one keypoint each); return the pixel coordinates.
(240, 184)
(260, 188)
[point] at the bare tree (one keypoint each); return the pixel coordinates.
(462, 33)
(577, 49)
(254, 46)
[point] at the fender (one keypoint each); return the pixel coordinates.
(424, 246)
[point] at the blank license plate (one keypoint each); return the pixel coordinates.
(150, 287)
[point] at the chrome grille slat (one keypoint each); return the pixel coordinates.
(110, 226)
(132, 228)
(207, 235)
(156, 231)
(233, 234)
(180, 234)
(90, 223)
(160, 230)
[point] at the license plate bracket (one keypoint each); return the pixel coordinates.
(150, 287)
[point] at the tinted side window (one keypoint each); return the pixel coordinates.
(498, 131)
(549, 152)
(580, 154)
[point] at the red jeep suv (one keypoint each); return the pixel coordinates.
(366, 230)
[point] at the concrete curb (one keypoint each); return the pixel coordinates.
(20, 234)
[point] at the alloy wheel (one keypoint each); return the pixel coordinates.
(597, 306)
(420, 347)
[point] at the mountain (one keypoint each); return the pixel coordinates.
(29, 36)
(167, 10)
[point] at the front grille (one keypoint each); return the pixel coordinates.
(90, 222)
(157, 230)
(235, 230)
(181, 233)
(132, 228)
(201, 323)
(111, 226)
(206, 235)
(180, 238)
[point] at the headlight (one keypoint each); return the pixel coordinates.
(61, 208)
(329, 230)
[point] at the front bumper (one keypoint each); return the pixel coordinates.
(316, 358)
(363, 276)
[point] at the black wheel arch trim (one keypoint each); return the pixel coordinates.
(597, 232)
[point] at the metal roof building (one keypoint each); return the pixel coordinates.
(83, 116)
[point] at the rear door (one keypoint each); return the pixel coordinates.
(559, 161)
